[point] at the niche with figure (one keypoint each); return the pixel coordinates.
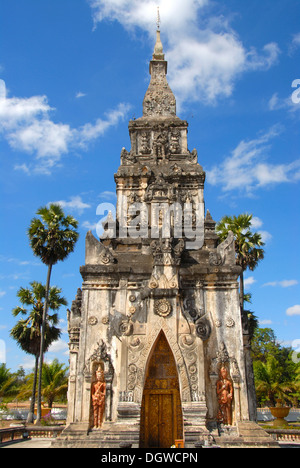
(98, 396)
(225, 396)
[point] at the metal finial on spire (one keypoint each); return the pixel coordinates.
(158, 19)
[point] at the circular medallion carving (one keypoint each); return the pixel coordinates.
(126, 328)
(93, 321)
(203, 329)
(132, 310)
(163, 308)
(230, 322)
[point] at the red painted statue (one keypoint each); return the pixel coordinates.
(225, 397)
(98, 398)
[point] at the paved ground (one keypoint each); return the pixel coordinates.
(33, 443)
(45, 443)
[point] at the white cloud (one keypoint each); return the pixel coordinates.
(59, 346)
(107, 195)
(205, 54)
(90, 132)
(80, 95)
(19, 262)
(296, 39)
(28, 363)
(266, 59)
(265, 322)
(282, 284)
(277, 103)
(295, 44)
(295, 310)
(248, 282)
(256, 222)
(246, 170)
(89, 226)
(75, 204)
(27, 126)
(23, 168)
(265, 236)
(2, 294)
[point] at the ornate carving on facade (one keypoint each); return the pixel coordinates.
(100, 355)
(74, 319)
(188, 347)
(174, 144)
(93, 321)
(143, 356)
(167, 252)
(230, 323)
(74, 334)
(145, 143)
(159, 190)
(132, 298)
(216, 259)
(106, 257)
(224, 360)
(159, 99)
(226, 250)
(191, 310)
(203, 329)
(127, 158)
(163, 308)
(162, 282)
(126, 328)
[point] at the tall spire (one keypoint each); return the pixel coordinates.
(159, 100)
(158, 49)
(158, 19)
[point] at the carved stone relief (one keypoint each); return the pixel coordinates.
(223, 359)
(163, 308)
(101, 357)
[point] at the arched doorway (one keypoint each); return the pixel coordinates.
(161, 413)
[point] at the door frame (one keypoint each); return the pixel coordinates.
(175, 401)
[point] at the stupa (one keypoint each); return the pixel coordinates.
(157, 323)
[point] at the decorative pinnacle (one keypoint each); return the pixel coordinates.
(158, 50)
(158, 19)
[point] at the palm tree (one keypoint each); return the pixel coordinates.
(27, 332)
(248, 245)
(7, 381)
(55, 381)
(52, 239)
(269, 381)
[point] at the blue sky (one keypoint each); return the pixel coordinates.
(74, 72)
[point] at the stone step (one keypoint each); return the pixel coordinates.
(254, 435)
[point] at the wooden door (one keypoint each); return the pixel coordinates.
(161, 420)
(161, 415)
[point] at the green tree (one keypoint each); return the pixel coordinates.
(55, 381)
(27, 331)
(248, 245)
(52, 238)
(7, 381)
(253, 322)
(264, 344)
(270, 382)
